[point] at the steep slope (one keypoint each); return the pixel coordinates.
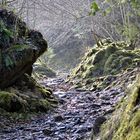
(124, 122)
(102, 65)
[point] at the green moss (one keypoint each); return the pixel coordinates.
(88, 72)
(137, 60)
(134, 127)
(11, 102)
(126, 118)
(43, 70)
(39, 105)
(125, 62)
(17, 48)
(112, 58)
(129, 127)
(91, 52)
(98, 56)
(27, 96)
(12, 54)
(6, 35)
(44, 92)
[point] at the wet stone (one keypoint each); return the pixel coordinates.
(98, 122)
(77, 137)
(62, 129)
(106, 103)
(82, 130)
(77, 114)
(105, 98)
(62, 101)
(95, 105)
(58, 118)
(78, 121)
(109, 111)
(47, 131)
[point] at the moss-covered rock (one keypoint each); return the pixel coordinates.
(19, 48)
(11, 102)
(111, 59)
(124, 123)
(40, 105)
(41, 70)
(27, 95)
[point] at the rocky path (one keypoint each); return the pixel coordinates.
(78, 114)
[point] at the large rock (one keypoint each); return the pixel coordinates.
(26, 96)
(19, 48)
(41, 69)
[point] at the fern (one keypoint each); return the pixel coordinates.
(8, 62)
(17, 48)
(5, 35)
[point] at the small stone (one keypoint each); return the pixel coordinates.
(82, 130)
(62, 101)
(98, 122)
(97, 94)
(95, 105)
(62, 129)
(77, 137)
(109, 111)
(21, 128)
(105, 98)
(106, 103)
(58, 118)
(47, 131)
(8, 130)
(78, 121)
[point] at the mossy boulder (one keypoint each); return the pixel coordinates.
(27, 95)
(11, 102)
(126, 117)
(40, 105)
(19, 48)
(108, 59)
(40, 70)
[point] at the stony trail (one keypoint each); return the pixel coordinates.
(78, 114)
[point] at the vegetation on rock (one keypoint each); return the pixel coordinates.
(11, 102)
(41, 69)
(102, 64)
(104, 73)
(19, 49)
(26, 95)
(126, 117)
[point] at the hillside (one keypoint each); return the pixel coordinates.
(126, 117)
(103, 64)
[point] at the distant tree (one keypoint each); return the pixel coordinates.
(125, 13)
